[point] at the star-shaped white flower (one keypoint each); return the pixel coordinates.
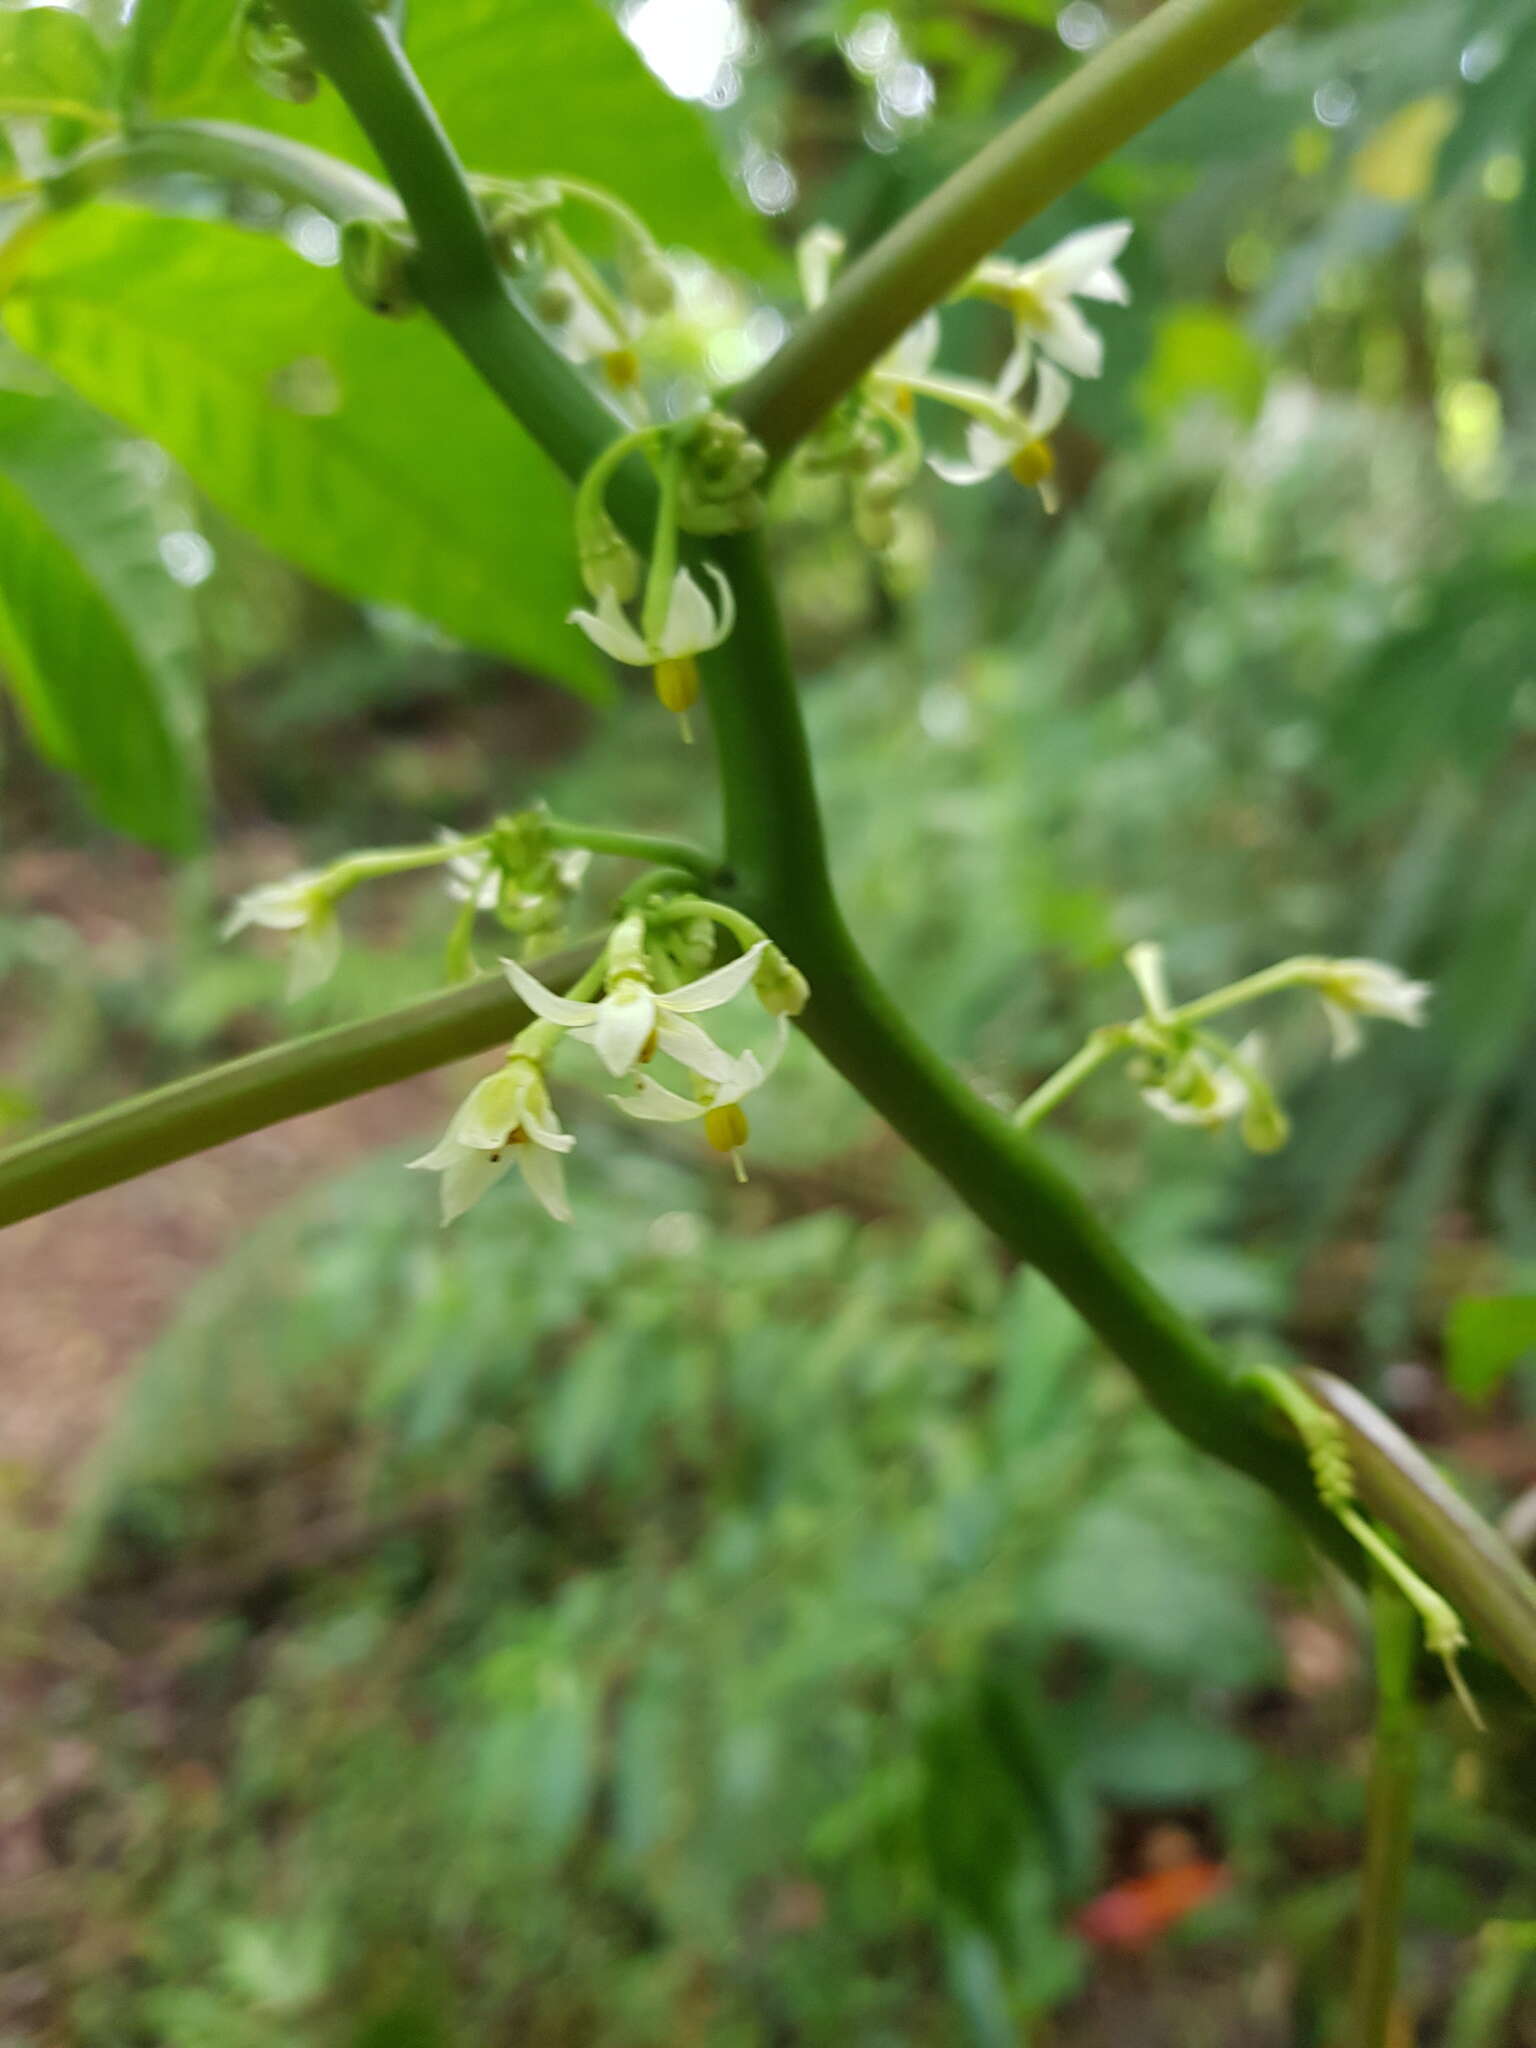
(717, 1101)
(1041, 297)
(505, 1119)
(693, 625)
(301, 905)
(632, 1021)
(1024, 449)
(1352, 989)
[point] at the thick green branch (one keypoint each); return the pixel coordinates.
(265, 1087)
(1044, 154)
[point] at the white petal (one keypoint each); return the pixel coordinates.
(545, 1176)
(916, 349)
(609, 629)
(1078, 258)
(745, 1075)
(545, 1130)
(1344, 1029)
(443, 1153)
(692, 1047)
(652, 1103)
(1053, 392)
(316, 950)
(625, 1019)
(543, 1002)
(956, 472)
(690, 620)
(711, 990)
(1106, 285)
(1068, 337)
(1010, 379)
(466, 1178)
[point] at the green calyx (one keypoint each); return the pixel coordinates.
(377, 259)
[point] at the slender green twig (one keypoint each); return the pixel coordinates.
(1045, 153)
(646, 846)
(1388, 1817)
(1100, 1049)
(263, 1088)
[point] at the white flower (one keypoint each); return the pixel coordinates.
(633, 1020)
(303, 906)
(717, 1101)
(1200, 1091)
(1024, 450)
(692, 625)
(504, 1119)
(1352, 989)
(1041, 295)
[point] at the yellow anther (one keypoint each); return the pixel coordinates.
(726, 1127)
(1033, 465)
(621, 366)
(677, 685)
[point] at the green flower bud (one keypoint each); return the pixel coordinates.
(781, 988)
(722, 465)
(275, 56)
(606, 559)
(376, 259)
(650, 284)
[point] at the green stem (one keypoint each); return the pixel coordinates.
(263, 1088)
(232, 155)
(650, 847)
(376, 866)
(1388, 1817)
(1099, 1050)
(1045, 153)
(1285, 974)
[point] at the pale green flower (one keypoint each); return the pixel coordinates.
(1352, 989)
(505, 1120)
(301, 905)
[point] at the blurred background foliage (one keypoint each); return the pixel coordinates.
(756, 1615)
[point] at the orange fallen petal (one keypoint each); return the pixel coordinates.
(1131, 1914)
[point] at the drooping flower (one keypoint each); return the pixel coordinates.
(304, 906)
(1207, 1093)
(632, 1021)
(1041, 297)
(1020, 443)
(505, 1119)
(716, 1100)
(691, 627)
(1352, 989)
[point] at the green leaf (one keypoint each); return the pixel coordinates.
(51, 64)
(1485, 1337)
(94, 635)
(523, 88)
(362, 450)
